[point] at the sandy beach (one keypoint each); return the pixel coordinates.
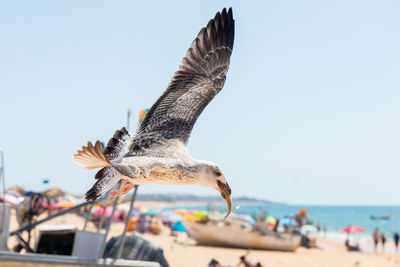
(181, 252)
(250, 124)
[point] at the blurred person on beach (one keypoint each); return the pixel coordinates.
(27, 212)
(30, 207)
(246, 263)
(375, 237)
(308, 242)
(383, 240)
(350, 247)
(143, 224)
(214, 263)
(396, 237)
(301, 218)
(275, 229)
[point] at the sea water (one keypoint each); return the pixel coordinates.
(335, 218)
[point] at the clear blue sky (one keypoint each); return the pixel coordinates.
(309, 113)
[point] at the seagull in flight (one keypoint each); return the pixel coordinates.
(157, 153)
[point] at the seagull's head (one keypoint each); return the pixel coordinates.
(212, 176)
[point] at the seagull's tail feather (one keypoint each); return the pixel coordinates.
(118, 145)
(107, 178)
(91, 157)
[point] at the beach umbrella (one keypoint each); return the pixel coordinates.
(99, 211)
(308, 229)
(63, 204)
(178, 227)
(200, 214)
(135, 213)
(171, 217)
(190, 217)
(142, 114)
(181, 212)
(10, 199)
(287, 221)
(353, 229)
(271, 220)
(151, 213)
(16, 190)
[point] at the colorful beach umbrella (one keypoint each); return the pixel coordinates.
(288, 222)
(308, 229)
(142, 114)
(10, 199)
(171, 217)
(271, 220)
(353, 229)
(181, 212)
(63, 204)
(190, 217)
(200, 214)
(151, 213)
(99, 211)
(178, 227)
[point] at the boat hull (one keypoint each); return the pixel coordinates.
(228, 236)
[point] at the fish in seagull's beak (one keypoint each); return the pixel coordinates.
(225, 191)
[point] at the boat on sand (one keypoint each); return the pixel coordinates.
(220, 234)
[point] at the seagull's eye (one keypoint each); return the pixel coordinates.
(218, 173)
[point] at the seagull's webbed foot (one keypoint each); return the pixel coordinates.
(123, 189)
(127, 187)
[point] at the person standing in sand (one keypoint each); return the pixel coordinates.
(375, 236)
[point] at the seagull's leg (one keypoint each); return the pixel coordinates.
(120, 190)
(127, 187)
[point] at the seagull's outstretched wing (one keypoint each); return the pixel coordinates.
(199, 78)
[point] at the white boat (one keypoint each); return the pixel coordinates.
(220, 234)
(85, 249)
(13, 259)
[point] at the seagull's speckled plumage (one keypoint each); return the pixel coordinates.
(157, 152)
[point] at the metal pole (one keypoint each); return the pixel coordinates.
(128, 119)
(2, 176)
(114, 205)
(87, 214)
(32, 225)
(122, 240)
(3, 188)
(103, 244)
(101, 219)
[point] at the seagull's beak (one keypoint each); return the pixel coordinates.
(225, 191)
